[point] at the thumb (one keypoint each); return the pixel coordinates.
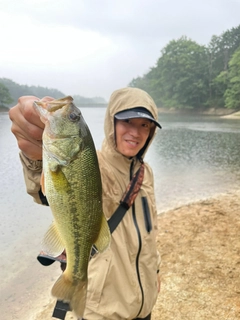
(47, 98)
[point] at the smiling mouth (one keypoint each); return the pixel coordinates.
(132, 143)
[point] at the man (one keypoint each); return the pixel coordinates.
(123, 281)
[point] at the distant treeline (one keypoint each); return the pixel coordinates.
(190, 75)
(186, 75)
(10, 91)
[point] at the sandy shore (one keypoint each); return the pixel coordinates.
(200, 248)
(235, 115)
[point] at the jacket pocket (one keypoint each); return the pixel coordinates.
(146, 213)
(97, 273)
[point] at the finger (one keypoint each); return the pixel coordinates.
(47, 98)
(31, 150)
(26, 107)
(22, 127)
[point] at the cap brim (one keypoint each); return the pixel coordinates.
(130, 114)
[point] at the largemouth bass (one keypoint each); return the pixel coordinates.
(71, 182)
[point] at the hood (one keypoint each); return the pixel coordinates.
(124, 99)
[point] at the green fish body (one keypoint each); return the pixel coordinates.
(72, 184)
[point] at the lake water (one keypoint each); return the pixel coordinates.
(192, 158)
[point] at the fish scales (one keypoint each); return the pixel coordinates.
(72, 183)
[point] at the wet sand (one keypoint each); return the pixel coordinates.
(235, 115)
(200, 248)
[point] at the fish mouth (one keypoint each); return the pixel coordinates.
(59, 103)
(53, 105)
(44, 107)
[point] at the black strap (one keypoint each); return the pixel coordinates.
(113, 222)
(60, 310)
(127, 198)
(116, 218)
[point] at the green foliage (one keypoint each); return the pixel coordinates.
(189, 75)
(220, 51)
(5, 97)
(232, 94)
(182, 73)
(16, 90)
(219, 84)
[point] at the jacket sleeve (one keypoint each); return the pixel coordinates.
(32, 170)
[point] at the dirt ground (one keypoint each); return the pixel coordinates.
(200, 248)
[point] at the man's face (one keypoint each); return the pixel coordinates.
(131, 135)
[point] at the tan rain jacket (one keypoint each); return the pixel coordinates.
(122, 280)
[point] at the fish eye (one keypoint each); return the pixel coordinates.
(74, 117)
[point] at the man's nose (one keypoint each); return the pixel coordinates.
(134, 130)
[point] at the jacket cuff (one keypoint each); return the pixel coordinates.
(34, 165)
(32, 170)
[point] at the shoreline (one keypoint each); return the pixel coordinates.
(200, 248)
(217, 112)
(235, 115)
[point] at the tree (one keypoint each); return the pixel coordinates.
(16, 90)
(232, 94)
(189, 75)
(220, 50)
(182, 74)
(5, 97)
(147, 83)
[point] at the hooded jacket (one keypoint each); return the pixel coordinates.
(122, 281)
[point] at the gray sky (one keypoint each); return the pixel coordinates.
(93, 47)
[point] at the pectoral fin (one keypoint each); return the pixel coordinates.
(42, 183)
(59, 181)
(104, 237)
(52, 242)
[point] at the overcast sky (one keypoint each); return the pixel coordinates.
(93, 47)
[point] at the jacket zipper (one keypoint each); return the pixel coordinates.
(140, 244)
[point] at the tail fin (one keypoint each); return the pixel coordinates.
(75, 295)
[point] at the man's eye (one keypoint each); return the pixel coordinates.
(146, 125)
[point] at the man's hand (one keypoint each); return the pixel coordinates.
(27, 126)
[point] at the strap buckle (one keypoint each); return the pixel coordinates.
(94, 251)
